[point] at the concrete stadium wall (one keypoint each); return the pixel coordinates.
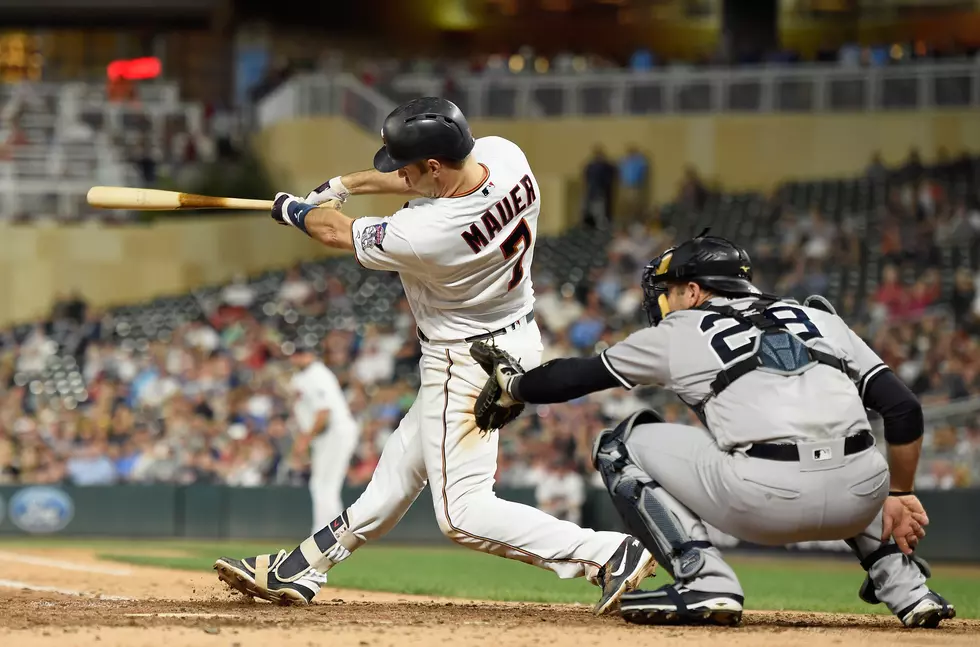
(745, 151)
(117, 265)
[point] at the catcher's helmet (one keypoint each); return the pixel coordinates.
(713, 263)
(425, 128)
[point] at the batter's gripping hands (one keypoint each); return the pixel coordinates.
(285, 208)
(332, 189)
(290, 210)
(496, 406)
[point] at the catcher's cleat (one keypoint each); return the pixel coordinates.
(677, 605)
(629, 565)
(256, 577)
(928, 612)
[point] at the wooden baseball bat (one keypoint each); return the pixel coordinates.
(122, 197)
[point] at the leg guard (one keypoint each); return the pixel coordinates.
(328, 546)
(635, 496)
(867, 590)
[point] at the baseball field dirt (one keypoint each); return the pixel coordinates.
(68, 597)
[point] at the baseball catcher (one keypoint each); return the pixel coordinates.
(786, 454)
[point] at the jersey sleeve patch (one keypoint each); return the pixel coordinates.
(373, 236)
(619, 378)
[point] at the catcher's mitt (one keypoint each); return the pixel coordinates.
(495, 406)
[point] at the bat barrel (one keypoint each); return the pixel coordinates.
(119, 197)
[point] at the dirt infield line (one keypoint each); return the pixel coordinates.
(34, 560)
(25, 586)
(191, 609)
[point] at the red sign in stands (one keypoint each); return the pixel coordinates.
(134, 69)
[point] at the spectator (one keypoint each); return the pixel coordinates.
(891, 293)
(641, 60)
(600, 177)
(692, 192)
(876, 171)
(295, 290)
(238, 294)
(91, 466)
(634, 178)
(964, 294)
(558, 309)
(585, 332)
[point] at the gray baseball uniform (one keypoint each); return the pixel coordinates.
(707, 474)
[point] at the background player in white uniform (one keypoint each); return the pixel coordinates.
(328, 431)
(463, 251)
(787, 455)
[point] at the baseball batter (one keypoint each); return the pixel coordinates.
(327, 428)
(787, 455)
(463, 248)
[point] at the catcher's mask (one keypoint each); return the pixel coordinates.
(712, 262)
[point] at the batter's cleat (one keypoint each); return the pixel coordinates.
(629, 565)
(256, 577)
(678, 605)
(927, 612)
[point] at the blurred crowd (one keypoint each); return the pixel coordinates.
(211, 403)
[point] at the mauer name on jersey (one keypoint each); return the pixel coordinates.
(500, 214)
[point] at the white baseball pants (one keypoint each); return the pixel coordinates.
(438, 441)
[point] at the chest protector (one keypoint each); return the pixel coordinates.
(778, 350)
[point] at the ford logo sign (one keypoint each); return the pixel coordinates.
(41, 509)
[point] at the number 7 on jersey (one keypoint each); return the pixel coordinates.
(512, 245)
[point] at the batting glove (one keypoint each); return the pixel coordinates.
(290, 210)
(332, 189)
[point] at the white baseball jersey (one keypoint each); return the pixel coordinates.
(316, 389)
(464, 260)
(685, 352)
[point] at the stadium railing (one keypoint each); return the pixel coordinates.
(763, 89)
(72, 136)
(312, 94)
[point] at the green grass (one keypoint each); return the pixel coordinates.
(812, 584)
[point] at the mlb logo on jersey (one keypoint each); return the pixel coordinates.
(822, 454)
(487, 189)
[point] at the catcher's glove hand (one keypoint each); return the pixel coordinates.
(496, 405)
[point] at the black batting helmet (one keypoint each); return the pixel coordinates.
(712, 262)
(425, 128)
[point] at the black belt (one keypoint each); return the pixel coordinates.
(790, 453)
(488, 335)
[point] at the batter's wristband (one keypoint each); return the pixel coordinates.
(297, 215)
(900, 493)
